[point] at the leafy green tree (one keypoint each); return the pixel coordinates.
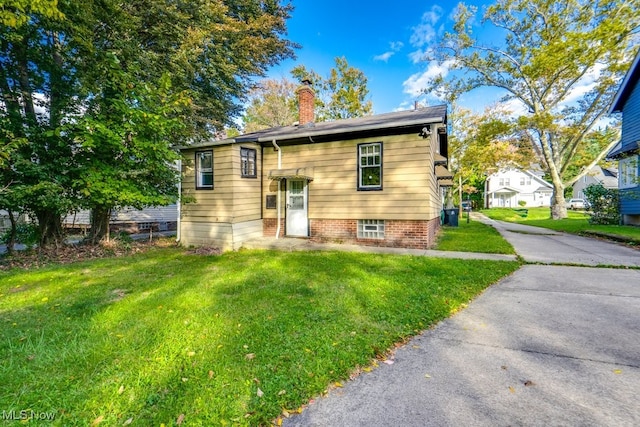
(14, 13)
(341, 95)
(101, 65)
(481, 144)
(272, 103)
(560, 60)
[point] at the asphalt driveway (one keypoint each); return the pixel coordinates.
(548, 345)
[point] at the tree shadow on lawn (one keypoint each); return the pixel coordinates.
(236, 337)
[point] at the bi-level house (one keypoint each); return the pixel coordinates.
(627, 102)
(375, 180)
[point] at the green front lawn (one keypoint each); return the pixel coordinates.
(165, 337)
(472, 237)
(576, 223)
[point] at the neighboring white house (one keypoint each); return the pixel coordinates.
(608, 177)
(507, 187)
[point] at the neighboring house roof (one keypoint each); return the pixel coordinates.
(543, 189)
(376, 125)
(624, 92)
(505, 189)
(633, 75)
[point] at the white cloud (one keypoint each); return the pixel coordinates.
(395, 47)
(416, 83)
(383, 57)
(425, 32)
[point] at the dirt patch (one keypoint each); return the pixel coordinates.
(65, 254)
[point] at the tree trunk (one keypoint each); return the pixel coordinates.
(12, 232)
(99, 224)
(558, 204)
(49, 228)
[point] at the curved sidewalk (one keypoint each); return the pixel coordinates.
(545, 246)
(548, 345)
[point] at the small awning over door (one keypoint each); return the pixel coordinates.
(294, 173)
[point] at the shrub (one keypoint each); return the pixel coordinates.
(27, 234)
(522, 203)
(604, 203)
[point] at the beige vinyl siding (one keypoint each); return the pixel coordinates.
(233, 199)
(409, 188)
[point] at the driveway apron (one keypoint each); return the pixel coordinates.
(550, 345)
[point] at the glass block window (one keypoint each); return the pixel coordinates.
(370, 229)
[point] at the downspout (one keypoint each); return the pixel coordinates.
(278, 203)
(179, 202)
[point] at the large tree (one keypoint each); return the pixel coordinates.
(342, 94)
(561, 60)
(271, 103)
(481, 144)
(99, 66)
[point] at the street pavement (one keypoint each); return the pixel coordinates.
(550, 345)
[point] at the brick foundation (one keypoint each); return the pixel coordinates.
(269, 227)
(398, 233)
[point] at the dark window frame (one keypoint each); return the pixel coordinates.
(243, 171)
(199, 185)
(359, 168)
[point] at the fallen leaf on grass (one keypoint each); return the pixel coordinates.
(260, 393)
(180, 419)
(128, 421)
(210, 374)
(281, 392)
(121, 389)
(250, 356)
(338, 384)
(97, 420)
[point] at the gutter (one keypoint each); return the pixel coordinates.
(278, 201)
(179, 202)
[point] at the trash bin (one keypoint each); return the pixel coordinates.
(451, 217)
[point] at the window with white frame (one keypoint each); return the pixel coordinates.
(248, 162)
(370, 229)
(628, 172)
(204, 170)
(501, 181)
(522, 180)
(370, 166)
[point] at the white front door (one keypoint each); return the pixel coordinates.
(296, 214)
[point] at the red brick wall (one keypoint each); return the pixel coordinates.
(269, 227)
(398, 233)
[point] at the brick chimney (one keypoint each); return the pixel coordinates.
(306, 103)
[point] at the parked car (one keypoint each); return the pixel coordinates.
(577, 204)
(466, 205)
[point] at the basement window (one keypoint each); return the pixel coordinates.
(370, 229)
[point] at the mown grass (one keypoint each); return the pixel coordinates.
(472, 237)
(165, 337)
(576, 223)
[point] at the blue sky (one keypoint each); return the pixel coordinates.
(383, 39)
